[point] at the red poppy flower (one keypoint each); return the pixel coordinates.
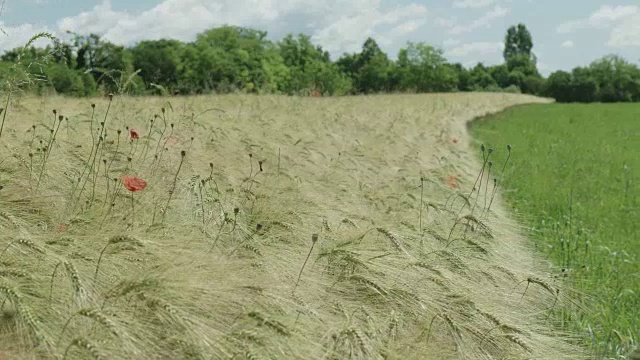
(133, 183)
(452, 181)
(134, 134)
(62, 228)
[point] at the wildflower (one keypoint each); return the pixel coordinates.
(133, 183)
(134, 134)
(62, 228)
(452, 181)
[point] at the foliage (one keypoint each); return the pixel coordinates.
(231, 59)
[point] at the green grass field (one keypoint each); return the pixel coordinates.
(573, 179)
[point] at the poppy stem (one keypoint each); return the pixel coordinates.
(175, 180)
(132, 210)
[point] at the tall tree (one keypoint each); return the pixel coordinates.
(518, 42)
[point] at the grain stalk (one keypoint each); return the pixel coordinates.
(183, 154)
(50, 148)
(314, 240)
(421, 204)
(495, 183)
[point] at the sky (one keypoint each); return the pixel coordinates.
(565, 33)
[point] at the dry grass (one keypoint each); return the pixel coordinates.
(213, 276)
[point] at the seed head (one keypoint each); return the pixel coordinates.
(104, 161)
(183, 153)
(32, 126)
(60, 117)
(119, 131)
(162, 109)
(314, 238)
(129, 158)
(250, 155)
(259, 227)
(93, 106)
(211, 165)
(55, 111)
(30, 154)
(171, 125)
(236, 211)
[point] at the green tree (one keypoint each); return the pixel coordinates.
(370, 70)
(517, 42)
(158, 61)
(421, 68)
(480, 78)
(559, 87)
(310, 68)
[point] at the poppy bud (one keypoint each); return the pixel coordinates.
(60, 117)
(129, 159)
(183, 153)
(314, 238)
(236, 211)
(55, 111)
(110, 96)
(482, 148)
(211, 165)
(508, 147)
(162, 109)
(259, 227)
(119, 131)
(93, 106)
(490, 150)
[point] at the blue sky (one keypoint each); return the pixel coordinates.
(565, 33)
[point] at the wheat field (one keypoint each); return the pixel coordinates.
(270, 228)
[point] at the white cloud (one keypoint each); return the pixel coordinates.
(338, 25)
(473, 4)
(568, 44)
(626, 34)
(622, 20)
(451, 42)
(12, 37)
(485, 20)
(476, 48)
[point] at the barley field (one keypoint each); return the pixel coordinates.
(265, 227)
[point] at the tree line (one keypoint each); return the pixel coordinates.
(231, 59)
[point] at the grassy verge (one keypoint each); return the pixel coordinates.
(574, 179)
